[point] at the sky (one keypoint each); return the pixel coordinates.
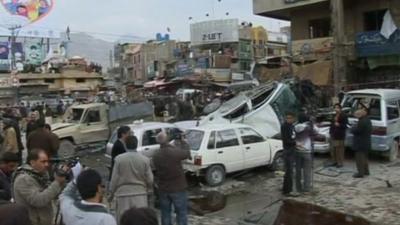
(144, 18)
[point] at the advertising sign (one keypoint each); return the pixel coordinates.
(214, 32)
(375, 44)
(32, 10)
(5, 60)
(33, 53)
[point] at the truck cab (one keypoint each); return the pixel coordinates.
(87, 123)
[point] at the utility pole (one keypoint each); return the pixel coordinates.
(13, 38)
(339, 40)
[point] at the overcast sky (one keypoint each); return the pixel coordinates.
(145, 18)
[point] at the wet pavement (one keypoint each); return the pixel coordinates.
(254, 197)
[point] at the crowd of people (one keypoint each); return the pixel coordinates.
(297, 135)
(39, 192)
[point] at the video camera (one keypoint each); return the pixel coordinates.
(176, 134)
(61, 163)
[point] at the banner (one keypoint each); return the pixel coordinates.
(5, 60)
(34, 54)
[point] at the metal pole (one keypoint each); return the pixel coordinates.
(339, 39)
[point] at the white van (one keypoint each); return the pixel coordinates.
(384, 112)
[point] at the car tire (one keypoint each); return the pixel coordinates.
(278, 164)
(215, 175)
(67, 149)
(394, 151)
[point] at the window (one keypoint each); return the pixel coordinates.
(373, 20)
(392, 110)
(211, 141)
(80, 80)
(226, 138)
(149, 137)
(373, 103)
(114, 137)
(250, 136)
(93, 116)
(286, 101)
(194, 138)
(320, 28)
(49, 81)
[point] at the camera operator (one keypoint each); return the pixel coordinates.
(171, 178)
(33, 189)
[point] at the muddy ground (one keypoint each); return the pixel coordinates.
(253, 197)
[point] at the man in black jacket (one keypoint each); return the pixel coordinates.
(338, 135)
(118, 148)
(171, 179)
(289, 146)
(8, 164)
(362, 141)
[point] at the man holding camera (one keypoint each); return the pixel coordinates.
(33, 189)
(171, 178)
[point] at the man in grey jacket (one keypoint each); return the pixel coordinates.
(131, 180)
(33, 189)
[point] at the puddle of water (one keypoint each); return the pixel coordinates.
(297, 213)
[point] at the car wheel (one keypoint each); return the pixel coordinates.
(279, 163)
(215, 175)
(67, 149)
(393, 152)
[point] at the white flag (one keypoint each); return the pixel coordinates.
(388, 26)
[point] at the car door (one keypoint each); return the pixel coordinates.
(149, 143)
(228, 149)
(93, 128)
(256, 149)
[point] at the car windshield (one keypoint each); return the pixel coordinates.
(74, 115)
(372, 102)
(194, 138)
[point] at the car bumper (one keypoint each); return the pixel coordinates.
(378, 143)
(322, 147)
(190, 168)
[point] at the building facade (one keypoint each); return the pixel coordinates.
(369, 56)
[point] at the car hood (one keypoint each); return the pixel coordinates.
(58, 126)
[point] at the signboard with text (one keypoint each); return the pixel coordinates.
(214, 32)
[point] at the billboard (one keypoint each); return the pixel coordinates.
(5, 60)
(214, 32)
(32, 10)
(34, 54)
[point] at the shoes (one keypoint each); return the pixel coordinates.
(339, 166)
(356, 175)
(333, 164)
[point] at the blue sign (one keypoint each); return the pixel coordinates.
(374, 44)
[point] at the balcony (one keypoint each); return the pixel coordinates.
(280, 9)
(371, 44)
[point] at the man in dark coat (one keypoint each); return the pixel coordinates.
(362, 141)
(171, 179)
(8, 164)
(288, 135)
(43, 138)
(338, 135)
(119, 146)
